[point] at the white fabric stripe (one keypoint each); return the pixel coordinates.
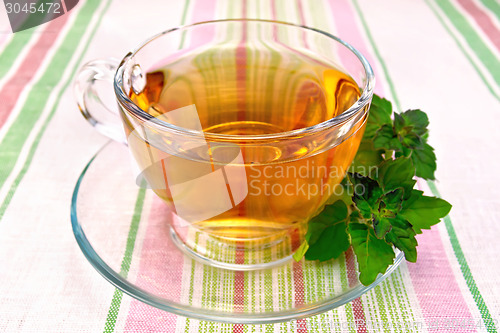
(464, 147)
(5, 38)
(5, 28)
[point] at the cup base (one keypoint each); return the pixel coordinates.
(238, 255)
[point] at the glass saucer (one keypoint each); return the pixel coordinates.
(124, 232)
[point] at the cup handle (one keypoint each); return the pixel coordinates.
(90, 86)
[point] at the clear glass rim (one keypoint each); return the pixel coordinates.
(204, 314)
(353, 111)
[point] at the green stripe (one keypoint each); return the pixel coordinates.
(12, 50)
(20, 129)
(457, 42)
(126, 261)
(268, 283)
(391, 303)
(485, 313)
(464, 267)
(399, 286)
(381, 61)
(183, 21)
(377, 291)
(191, 281)
(493, 6)
(406, 298)
(472, 38)
(206, 284)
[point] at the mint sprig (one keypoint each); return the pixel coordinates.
(378, 208)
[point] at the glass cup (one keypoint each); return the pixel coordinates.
(243, 127)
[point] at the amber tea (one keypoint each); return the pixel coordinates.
(258, 92)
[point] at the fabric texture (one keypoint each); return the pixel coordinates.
(438, 55)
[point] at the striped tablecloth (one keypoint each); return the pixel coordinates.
(438, 55)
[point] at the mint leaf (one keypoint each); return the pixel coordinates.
(403, 237)
(412, 141)
(425, 161)
(376, 206)
(414, 196)
(366, 193)
(400, 124)
(331, 213)
(327, 233)
(389, 206)
(425, 211)
(381, 226)
(397, 173)
(392, 202)
(406, 135)
(342, 191)
(417, 119)
(367, 159)
(373, 255)
(385, 138)
(379, 115)
(382, 103)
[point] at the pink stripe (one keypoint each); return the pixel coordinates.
(483, 20)
(432, 275)
(345, 20)
(158, 251)
(239, 287)
(160, 272)
(298, 293)
(357, 305)
(64, 6)
(241, 63)
(239, 279)
(13, 88)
